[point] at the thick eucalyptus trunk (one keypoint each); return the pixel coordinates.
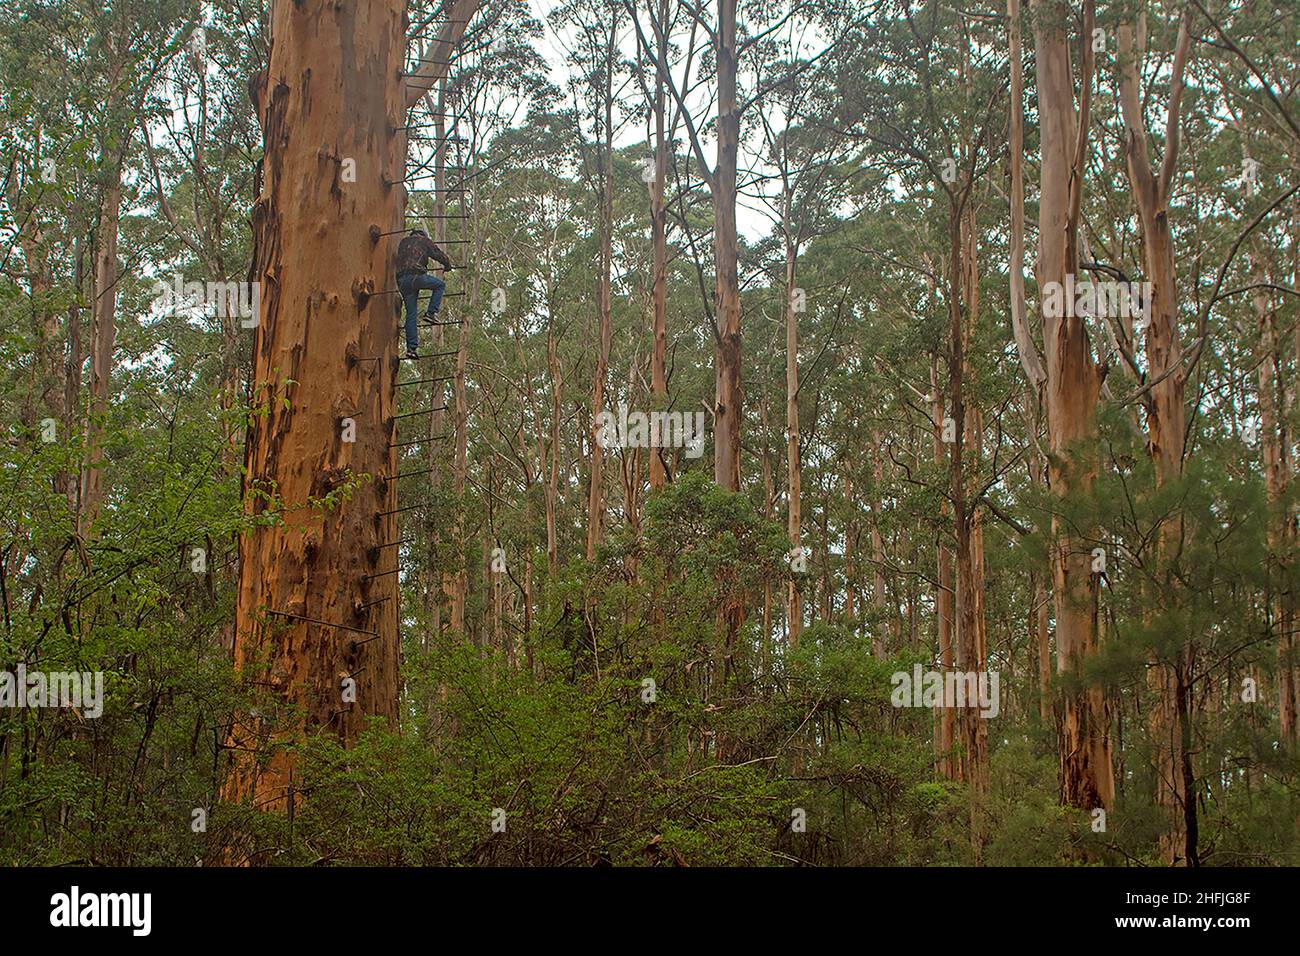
(317, 603)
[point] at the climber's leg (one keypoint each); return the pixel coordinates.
(438, 287)
(409, 287)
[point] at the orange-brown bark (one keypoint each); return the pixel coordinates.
(323, 353)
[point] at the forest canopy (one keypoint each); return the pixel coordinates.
(854, 432)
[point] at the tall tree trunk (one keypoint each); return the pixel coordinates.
(50, 369)
(102, 344)
(728, 397)
(553, 469)
(879, 594)
(972, 651)
(794, 597)
(1039, 632)
(852, 610)
(72, 375)
(769, 506)
(605, 330)
(659, 253)
(1073, 387)
(1275, 443)
(323, 353)
(631, 470)
(943, 597)
(1166, 421)
(1040, 645)
(1030, 360)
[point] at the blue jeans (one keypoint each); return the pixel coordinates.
(410, 286)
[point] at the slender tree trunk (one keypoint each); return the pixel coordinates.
(103, 342)
(50, 366)
(72, 377)
(632, 480)
(553, 471)
(1073, 387)
(944, 737)
(769, 505)
(851, 537)
(972, 649)
(659, 254)
(605, 330)
(1166, 423)
(1275, 443)
(879, 594)
(794, 491)
(1030, 360)
(728, 397)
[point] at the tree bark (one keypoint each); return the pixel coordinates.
(971, 643)
(103, 340)
(1030, 360)
(659, 252)
(1165, 417)
(605, 330)
(794, 490)
(1275, 443)
(1073, 387)
(728, 398)
(945, 731)
(323, 352)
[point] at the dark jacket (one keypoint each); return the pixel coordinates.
(414, 253)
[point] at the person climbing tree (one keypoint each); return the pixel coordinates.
(413, 255)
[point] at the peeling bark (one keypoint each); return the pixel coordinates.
(323, 352)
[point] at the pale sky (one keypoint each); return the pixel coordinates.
(752, 221)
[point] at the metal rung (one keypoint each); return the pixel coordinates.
(312, 620)
(416, 441)
(404, 474)
(430, 355)
(421, 381)
(423, 411)
(418, 504)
